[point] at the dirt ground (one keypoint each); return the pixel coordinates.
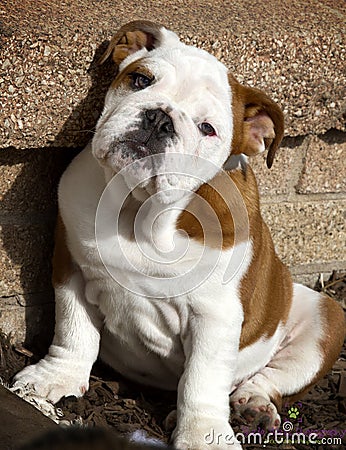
(115, 402)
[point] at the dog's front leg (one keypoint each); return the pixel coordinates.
(211, 349)
(65, 370)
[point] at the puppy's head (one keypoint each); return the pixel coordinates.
(172, 107)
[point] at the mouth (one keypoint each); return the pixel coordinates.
(145, 172)
(133, 149)
(134, 154)
(124, 153)
(135, 160)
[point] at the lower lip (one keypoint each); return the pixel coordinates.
(139, 150)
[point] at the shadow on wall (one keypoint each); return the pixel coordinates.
(29, 208)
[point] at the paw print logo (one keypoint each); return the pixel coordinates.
(293, 413)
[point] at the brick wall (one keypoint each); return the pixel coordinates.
(304, 203)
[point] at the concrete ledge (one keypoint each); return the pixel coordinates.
(53, 89)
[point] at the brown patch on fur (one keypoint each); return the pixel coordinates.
(218, 220)
(335, 330)
(131, 38)
(266, 289)
(62, 260)
(331, 343)
(248, 103)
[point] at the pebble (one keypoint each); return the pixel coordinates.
(46, 51)
(19, 80)
(6, 64)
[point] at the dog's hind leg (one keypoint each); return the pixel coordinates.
(315, 334)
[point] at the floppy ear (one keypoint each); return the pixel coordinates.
(258, 122)
(135, 36)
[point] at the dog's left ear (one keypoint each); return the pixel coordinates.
(135, 36)
(258, 122)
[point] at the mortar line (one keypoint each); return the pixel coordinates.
(303, 198)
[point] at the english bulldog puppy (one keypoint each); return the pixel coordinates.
(163, 264)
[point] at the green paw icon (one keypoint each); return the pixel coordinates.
(293, 412)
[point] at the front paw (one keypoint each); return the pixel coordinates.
(205, 434)
(53, 380)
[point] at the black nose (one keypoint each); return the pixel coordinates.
(159, 122)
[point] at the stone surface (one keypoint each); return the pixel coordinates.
(32, 325)
(20, 422)
(309, 280)
(308, 232)
(325, 165)
(28, 182)
(53, 89)
(277, 180)
(28, 185)
(25, 258)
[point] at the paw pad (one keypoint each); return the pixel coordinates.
(293, 412)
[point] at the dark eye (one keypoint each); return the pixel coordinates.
(140, 81)
(207, 129)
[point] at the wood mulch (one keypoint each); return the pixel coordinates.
(126, 407)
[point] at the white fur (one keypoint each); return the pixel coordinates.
(166, 308)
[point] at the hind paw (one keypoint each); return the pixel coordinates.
(255, 410)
